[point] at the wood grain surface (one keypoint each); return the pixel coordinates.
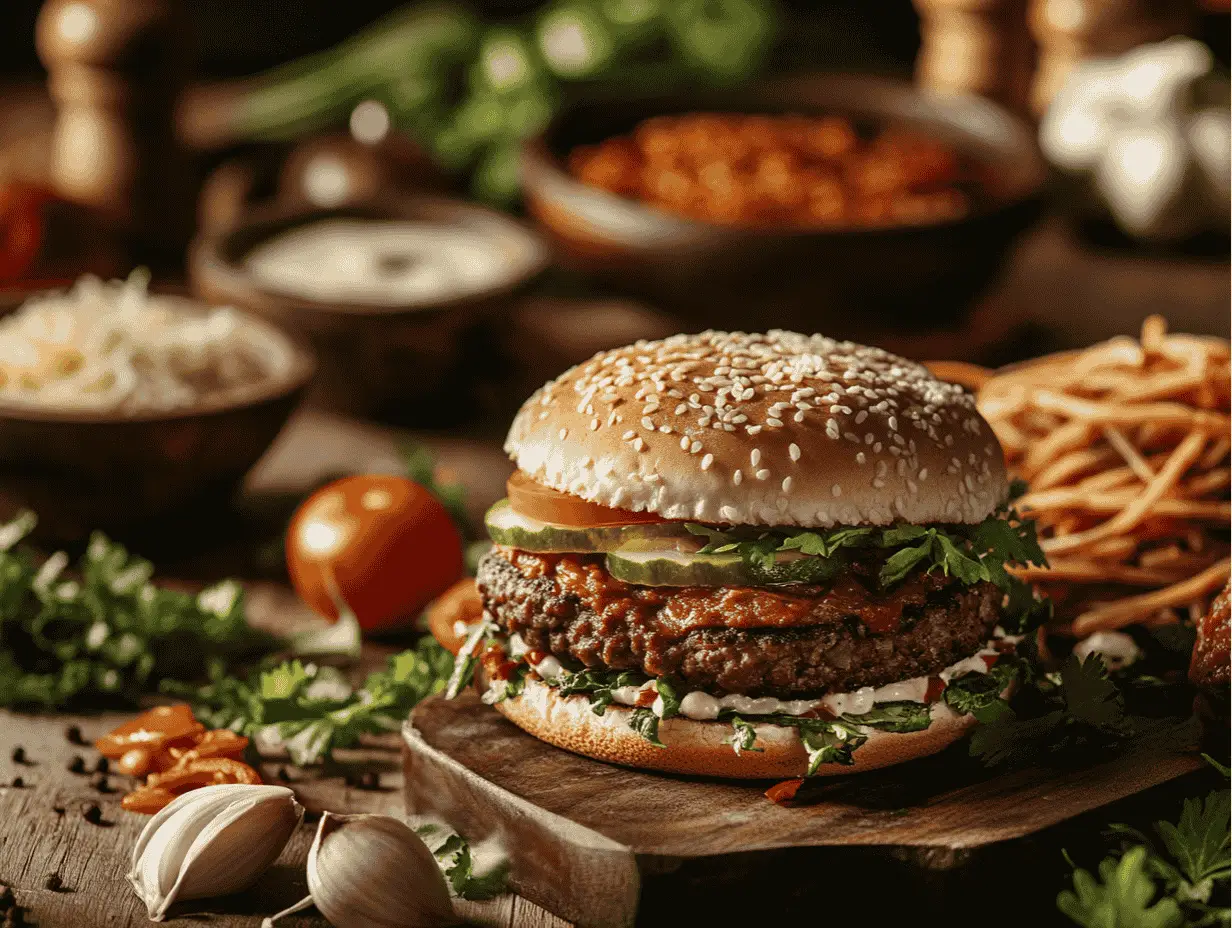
(585, 829)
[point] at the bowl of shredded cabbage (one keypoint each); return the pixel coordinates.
(120, 407)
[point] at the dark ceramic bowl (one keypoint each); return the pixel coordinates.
(416, 363)
(839, 279)
(127, 473)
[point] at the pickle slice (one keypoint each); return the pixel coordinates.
(514, 530)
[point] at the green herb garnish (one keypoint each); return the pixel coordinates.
(312, 710)
(1167, 880)
(106, 633)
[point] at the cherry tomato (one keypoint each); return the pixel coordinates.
(385, 545)
(536, 501)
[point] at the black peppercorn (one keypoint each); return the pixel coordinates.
(18, 755)
(59, 810)
(93, 814)
(53, 882)
(72, 734)
(77, 764)
(18, 783)
(103, 765)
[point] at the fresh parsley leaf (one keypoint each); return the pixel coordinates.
(453, 854)
(832, 744)
(1092, 698)
(669, 696)
(312, 710)
(743, 736)
(106, 633)
(902, 562)
(899, 717)
(1123, 896)
(977, 693)
(1199, 842)
(596, 685)
(646, 723)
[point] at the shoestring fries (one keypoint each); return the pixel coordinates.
(1125, 450)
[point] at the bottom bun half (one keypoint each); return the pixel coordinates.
(698, 748)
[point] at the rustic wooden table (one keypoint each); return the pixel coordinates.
(43, 830)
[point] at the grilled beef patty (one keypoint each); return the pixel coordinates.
(761, 642)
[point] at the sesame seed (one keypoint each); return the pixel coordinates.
(665, 429)
(628, 435)
(648, 423)
(707, 460)
(753, 429)
(798, 417)
(638, 444)
(695, 447)
(737, 477)
(832, 429)
(684, 442)
(923, 473)
(755, 456)
(836, 490)
(594, 425)
(860, 458)
(786, 484)
(774, 423)
(793, 451)
(762, 474)
(893, 423)
(562, 433)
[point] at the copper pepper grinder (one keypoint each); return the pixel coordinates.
(976, 46)
(115, 68)
(1068, 31)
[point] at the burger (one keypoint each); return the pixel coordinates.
(750, 555)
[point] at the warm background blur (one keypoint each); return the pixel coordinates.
(915, 210)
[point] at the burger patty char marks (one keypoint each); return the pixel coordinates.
(758, 642)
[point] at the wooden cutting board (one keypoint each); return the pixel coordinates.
(594, 839)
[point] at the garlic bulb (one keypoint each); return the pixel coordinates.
(373, 871)
(211, 842)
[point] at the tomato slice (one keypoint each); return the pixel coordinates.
(535, 501)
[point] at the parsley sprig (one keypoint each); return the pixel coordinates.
(1166, 880)
(970, 553)
(103, 632)
(453, 854)
(312, 710)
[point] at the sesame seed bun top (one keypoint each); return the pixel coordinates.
(773, 429)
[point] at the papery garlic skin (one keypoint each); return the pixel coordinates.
(373, 871)
(212, 841)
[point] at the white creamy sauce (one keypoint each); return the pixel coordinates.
(377, 262)
(704, 707)
(1116, 648)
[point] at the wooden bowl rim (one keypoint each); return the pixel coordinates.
(213, 263)
(876, 95)
(303, 368)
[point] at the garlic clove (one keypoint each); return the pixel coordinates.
(373, 871)
(211, 842)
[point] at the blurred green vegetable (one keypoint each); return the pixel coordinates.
(470, 92)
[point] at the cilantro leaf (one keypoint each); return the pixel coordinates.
(1123, 896)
